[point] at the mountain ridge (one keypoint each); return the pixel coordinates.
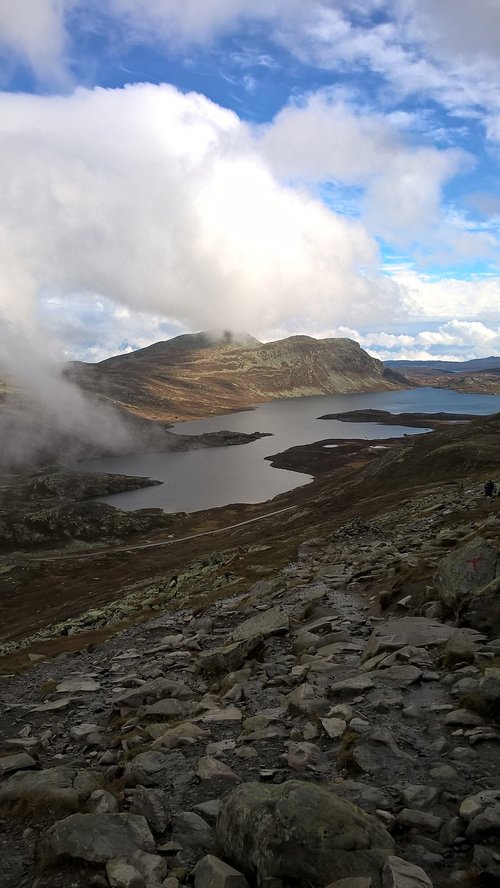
(197, 375)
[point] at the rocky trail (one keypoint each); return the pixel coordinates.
(336, 723)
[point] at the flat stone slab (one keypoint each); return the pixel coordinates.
(21, 761)
(415, 631)
(265, 623)
(98, 838)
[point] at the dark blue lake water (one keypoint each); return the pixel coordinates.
(203, 479)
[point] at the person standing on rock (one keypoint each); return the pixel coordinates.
(489, 489)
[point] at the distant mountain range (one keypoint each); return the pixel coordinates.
(474, 366)
(195, 375)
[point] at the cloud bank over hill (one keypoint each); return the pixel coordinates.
(133, 213)
(162, 202)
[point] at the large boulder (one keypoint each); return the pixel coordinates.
(466, 570)
(230, 657)
(266, 623)
(98, 838)
(301, 832)
(63, 787)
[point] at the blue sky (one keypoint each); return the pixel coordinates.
(327, 167)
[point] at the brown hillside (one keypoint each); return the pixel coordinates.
(195, 376)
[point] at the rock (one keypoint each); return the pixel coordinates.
(489, 687)
(167, 708)
(123, 875)
(484, 824)
(351, 687)
(230, 657)
(191, 832)
(21, 761)
(414, 631)
(102, 802)
(153, 766)
(419, 796)
(210, 872)
(151, 866)
(472, 805)
(266, 623)
(305, 700)
(300, 755)
(209, 810)
(334, 727)
(464, 717)
(63, 786)
(77, 685)
(98, 838)
(153, 805)
(156, 689)
(466, 570)
(185, 733)
(398, 873)
(420, 820)
(354, 882)
(209, 767)
(399, 675)
(459, 648)
(268, 831)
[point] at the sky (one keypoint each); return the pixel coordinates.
(322, 167)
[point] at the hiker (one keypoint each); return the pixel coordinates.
(489, 488)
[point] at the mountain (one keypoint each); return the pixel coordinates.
(473, 366)
(195, 375)
(479, 376)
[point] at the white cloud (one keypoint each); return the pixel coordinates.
(162, 203)
(464, 299)
(323, 139)
(35, 31)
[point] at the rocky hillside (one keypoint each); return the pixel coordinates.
(319, 726)
(197, 375)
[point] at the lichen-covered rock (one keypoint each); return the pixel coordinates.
(399, 873)
(63, 786)
(489, 687)
(98, 838)
(266, 623)
(230, 657)
(464, 571)
(302, 832)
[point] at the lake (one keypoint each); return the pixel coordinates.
(203, 479)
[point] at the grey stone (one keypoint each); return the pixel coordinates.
(230, 657)
(467, 569)
(334, 727)
(210, 872)
(98, 838)
(351, 687)
(354, 882)
(459, 648)
(306, 700)
(489, 686)
(123, 875)
(209, 810)
(420, 820)
(266, 623)
(268, 831)
(153, 805)
(191, 832)
(102, 802)
(416, 631)
(419, 796)
(21, 761)
(399, 873)
(156, 689)
(64, 786)
(484, 824)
